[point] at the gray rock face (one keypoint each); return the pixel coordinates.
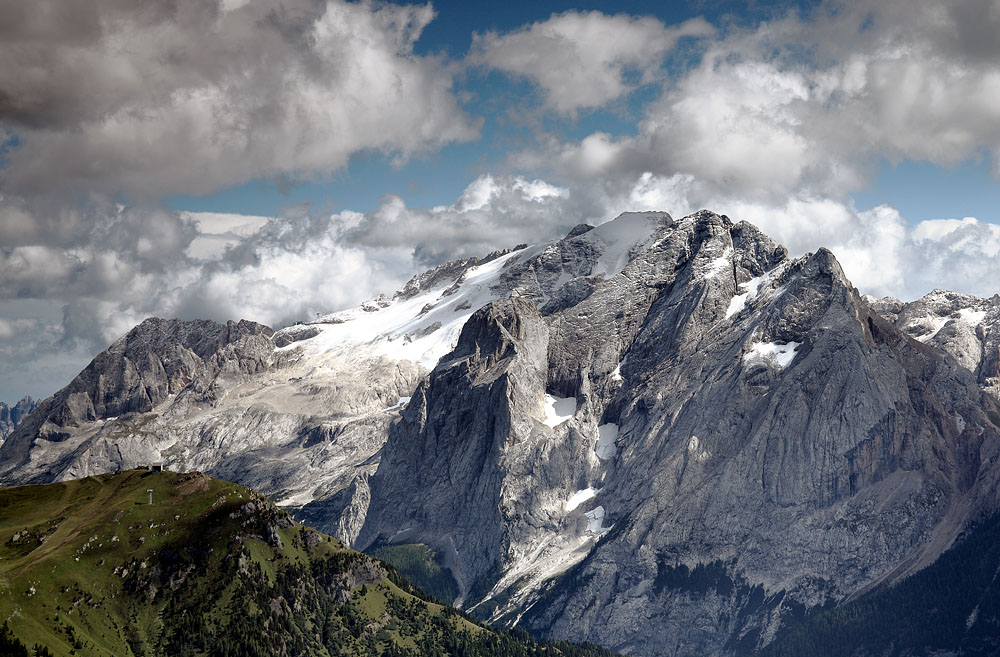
(964, 326)
(11, 416)
(465, 442)
(800, 481)
(152, 363)
(777, 444)
(219, 399)
(660, 435)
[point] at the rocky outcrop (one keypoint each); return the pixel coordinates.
(159, 358)
(343, 513)
(462, 431)
(964, 326)
(12, 416)
(229, 399)
(451, 272)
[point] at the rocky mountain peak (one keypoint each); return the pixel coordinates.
(492, 333)
(964, 326)
(12, 416)
(579, 229)
(826, 263)
(451, 272)
(156, 359)
(154, 362)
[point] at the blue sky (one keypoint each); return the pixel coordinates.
(274, 160)
(923, 190)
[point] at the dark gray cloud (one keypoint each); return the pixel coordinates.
(966, 29)
(493, 212)
(113, 247)
(153, 98)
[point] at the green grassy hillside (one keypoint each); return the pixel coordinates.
(421, 565)
(89, 567)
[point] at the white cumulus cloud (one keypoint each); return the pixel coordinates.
(584, 60)
(809, 105)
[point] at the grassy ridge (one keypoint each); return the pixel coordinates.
(89, 567)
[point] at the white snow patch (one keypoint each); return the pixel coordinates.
(558, 409)
(737, 303)
(402, 329)
(299, 499)
(972, 618)
(579, 497)
(595, 520)
(619, 238)
(403, 401)
(780, 354)
(935, 323)
(694, 448)
(616, 375)
(972, 317)
(607, 434)
(959, 423)
(720, 264)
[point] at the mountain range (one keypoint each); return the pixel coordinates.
(664, 436)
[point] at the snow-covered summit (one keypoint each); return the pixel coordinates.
(422, 321)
